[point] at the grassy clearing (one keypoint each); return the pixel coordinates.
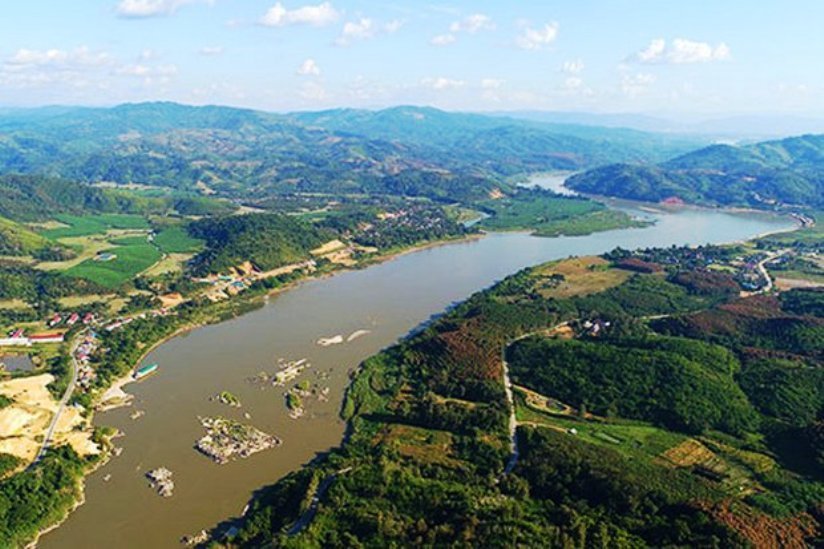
(629, 437)
(134, 255)
(86, 246)
(428, 446)
(175, 240)
(74, 301)
(589, 223)
(13, 304)
(581, 276)
(172, 263)
(94, 224)
(547, 215)
(461, 214)
(732, 469)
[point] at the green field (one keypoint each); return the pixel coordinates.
(547, 215)
(175, 240)
(95, 224)
(134, 255)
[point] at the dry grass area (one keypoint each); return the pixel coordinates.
(688, 454)
(73, 301)
(24, 423)
(329, 247)
(421, 445)
(582, 276)
(13, 304)
(784, 284)
(172, 263)
(171, 300)
(545, 404)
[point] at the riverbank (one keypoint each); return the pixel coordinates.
(115, 390)
(391, 299)
(115, 396)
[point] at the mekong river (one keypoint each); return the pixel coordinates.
(389, 299)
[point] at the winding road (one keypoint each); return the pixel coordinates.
(513, 421)
(64, 400)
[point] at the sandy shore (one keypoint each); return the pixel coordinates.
(115, 396)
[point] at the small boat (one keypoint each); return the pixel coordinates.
(144, 371)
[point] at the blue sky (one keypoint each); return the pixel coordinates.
(680, 58)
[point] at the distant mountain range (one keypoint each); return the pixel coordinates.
(738, 127)
(240, 152)
(788, 171)
(415, 151)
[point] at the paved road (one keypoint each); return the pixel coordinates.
(63, 401)
(763, 270)
(513, 421)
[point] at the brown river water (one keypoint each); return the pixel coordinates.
(389, 300)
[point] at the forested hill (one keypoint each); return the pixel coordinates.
(653, 407)
(266, 240)
(788, 171)
(240, 151)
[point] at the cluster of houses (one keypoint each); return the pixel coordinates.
(243, 276)
(85, 373)
(70, 319)
(18, 338)
(123, 321)
(595, 328)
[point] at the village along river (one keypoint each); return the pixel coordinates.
(388, 299)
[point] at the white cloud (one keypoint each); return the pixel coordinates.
(536, 39)
(148, 71)
(635, 84)
(443, 40)
(315, 15)
(472, 24)
(682, 51)
(364, 29)
(211, 51)
(574, 66)
(441, 83)
(469, 24)
(149, 8)
(309, 68)
(491, 83)
(361, 29)
(77, 58)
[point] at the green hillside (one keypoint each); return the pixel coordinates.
(267, 240)
(15, 239)
(761, 175)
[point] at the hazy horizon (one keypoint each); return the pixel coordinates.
(686, 62)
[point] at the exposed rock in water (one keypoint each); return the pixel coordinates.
(137, 414)
(227, 439)
(356, 334)
(227, 398)
(161, 480)
(327, 341)
(196, 539)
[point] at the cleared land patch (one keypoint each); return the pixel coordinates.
(578, 276)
